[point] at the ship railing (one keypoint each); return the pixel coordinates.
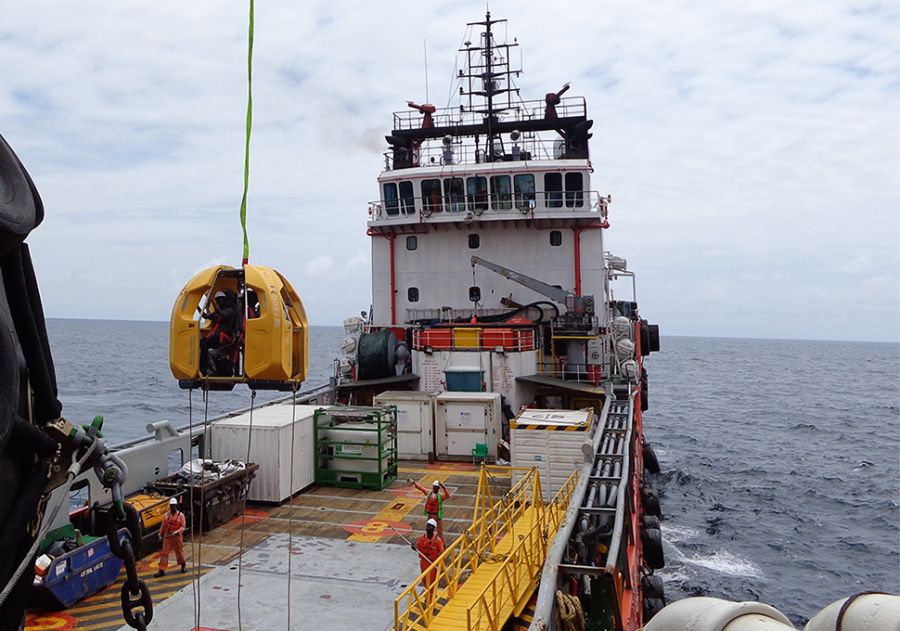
(417, 606)
(581, 373)
(322, 394)
(545, 145)
(523, 110)
(470, 338)
(468, 207)
(521, 567)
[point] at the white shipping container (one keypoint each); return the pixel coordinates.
(463, 419)
(415, 421)
(270, 447)
(550, 440)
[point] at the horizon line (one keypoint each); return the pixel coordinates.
(713, 337)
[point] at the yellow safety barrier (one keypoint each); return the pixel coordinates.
(492, 568)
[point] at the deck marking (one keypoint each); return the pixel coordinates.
(395, 513)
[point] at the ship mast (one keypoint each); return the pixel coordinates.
(485, 72)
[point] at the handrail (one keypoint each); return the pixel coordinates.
(199, 428)
(418, 604)
(450, 207)
(569, 106)
(529, 554)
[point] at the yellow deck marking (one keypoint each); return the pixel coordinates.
(453, 469)
(378, 527)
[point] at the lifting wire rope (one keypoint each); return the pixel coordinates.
(244, 261)
(195, 565)
(244, 512)
(291, 504)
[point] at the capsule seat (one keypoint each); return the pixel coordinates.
(238, 325)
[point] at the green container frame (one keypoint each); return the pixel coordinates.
(383, 421)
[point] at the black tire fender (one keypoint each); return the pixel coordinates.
(650, 502)
(652, 606)
(645, 338)
(653, 587)
(649, 521)
(651, 462)
(651, 542)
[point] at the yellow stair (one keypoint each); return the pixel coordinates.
(488, 574)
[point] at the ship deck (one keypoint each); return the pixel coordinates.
(347, 561)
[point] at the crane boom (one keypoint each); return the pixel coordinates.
(552, 292)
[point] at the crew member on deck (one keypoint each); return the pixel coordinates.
(429, 546)
(172, 534)
(434, 503)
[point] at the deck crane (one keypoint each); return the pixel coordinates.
(579, 309)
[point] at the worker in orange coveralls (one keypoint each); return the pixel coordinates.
(434, 503)
(172, 534)
(429, 546)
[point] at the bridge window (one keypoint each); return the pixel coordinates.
(553, 190)
(412, 294)
(407, 198)
(431, 196)
(476, 194)
(501, 192)
(555, 237)
(474, 241)
(391, 203)
(574, 190)
(524, 191)
(454, 194)
(411, 243)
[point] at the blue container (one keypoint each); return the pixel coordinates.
(464, 380)
(78, 574)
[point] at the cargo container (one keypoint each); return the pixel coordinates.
(274, 428)
(464, 419)
(415, 421)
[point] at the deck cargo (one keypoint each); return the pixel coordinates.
(415, 421)
(273, 430)
(551, 441)
(465, 419)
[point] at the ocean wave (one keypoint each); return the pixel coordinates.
(725, 562)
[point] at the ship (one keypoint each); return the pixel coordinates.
(501, 360)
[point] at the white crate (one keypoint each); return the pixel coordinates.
(270, 448)
(462, 419)
(415, 421)
(550, 440)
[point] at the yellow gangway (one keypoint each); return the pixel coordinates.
(488, 574)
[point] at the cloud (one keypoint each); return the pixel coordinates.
(751, 150)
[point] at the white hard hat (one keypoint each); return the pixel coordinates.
(436, 483)
(431, 523)
(173, 502)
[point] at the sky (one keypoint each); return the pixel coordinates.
(752, 150)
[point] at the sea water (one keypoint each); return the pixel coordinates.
(780, 459)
